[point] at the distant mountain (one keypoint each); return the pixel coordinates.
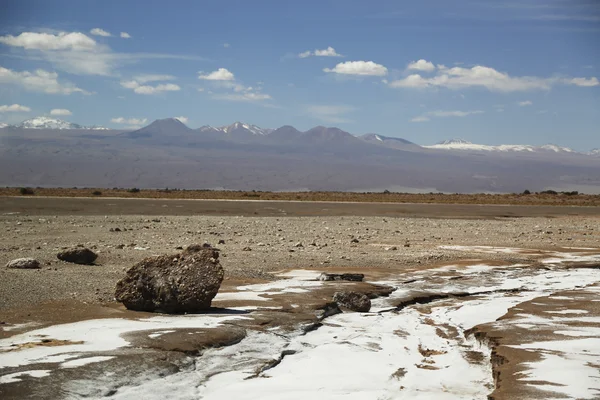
(461, 144)
(235, 131)
(161, 129)
(240, 156)
(391, 142)
(53, 123)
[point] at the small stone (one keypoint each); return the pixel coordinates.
(78, 255)
(221, 241)
(299, 244)
(246, 249)
(353, 301)
(354, 240)
(24, 263)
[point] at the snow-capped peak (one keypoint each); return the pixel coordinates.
(459, 144)
(595, 152)
(454, 141)
(53, 123)
(556, 149)
(236, 126)
(255, 130)
(3, 125)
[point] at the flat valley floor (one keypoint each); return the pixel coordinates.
(469, 301)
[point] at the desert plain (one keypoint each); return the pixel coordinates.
(468, 301)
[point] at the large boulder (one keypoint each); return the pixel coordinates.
(181, 283)
(24, 263)
(352, 301)
(78, 255)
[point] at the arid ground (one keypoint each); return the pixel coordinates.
(469, 300)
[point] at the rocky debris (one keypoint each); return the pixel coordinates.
(221, 241)
(246, 249)
(353, 301)
(180, 283)
(391, 248)
(299, 244)
(341, 277)
(354, 240)
(195, 248)
(78, 255)
(24, 263)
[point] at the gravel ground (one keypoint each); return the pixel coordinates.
(254, 246)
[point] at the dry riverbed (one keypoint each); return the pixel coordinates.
(462, 309)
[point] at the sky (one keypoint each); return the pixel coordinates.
(491, 72)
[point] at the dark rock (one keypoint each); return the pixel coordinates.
(221, 241)
(78, 255)
(353, 301)
(24, 263)
(341, 277)
(354, 240)
(246, 249)
(179, 283)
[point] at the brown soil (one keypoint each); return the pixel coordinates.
(479, 198)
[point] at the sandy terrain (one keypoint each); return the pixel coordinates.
(422, 248)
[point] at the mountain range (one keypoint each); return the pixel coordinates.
(166, 153)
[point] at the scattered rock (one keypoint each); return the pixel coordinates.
(120, 246)
(246, 249)
(299, 244)
(391, 248)
(185, 282)
(78, 255)
(354, 240)
(341, 277)
(353, 301)
(221, 241)
(24, 263)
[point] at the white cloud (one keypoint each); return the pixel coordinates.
(60, 111)
(100, 32)
(48, 41)
(222, 74)
(224, 79)
(524, 103)
(125, 35)
(14, 108)
(183, 120)
(582, 82)
(330, 113)
(226, 45)
(485, 77)
(360, 68)
(38, 81)
(421, 65)
(328, 52)
(444, 114)
(77, 53)
(144, 78)
(147, 89)
(249, 96)
(129, 121)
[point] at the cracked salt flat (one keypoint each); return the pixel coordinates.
(97, 336)
(355, 356)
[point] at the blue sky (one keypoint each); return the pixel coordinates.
(487, 71)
